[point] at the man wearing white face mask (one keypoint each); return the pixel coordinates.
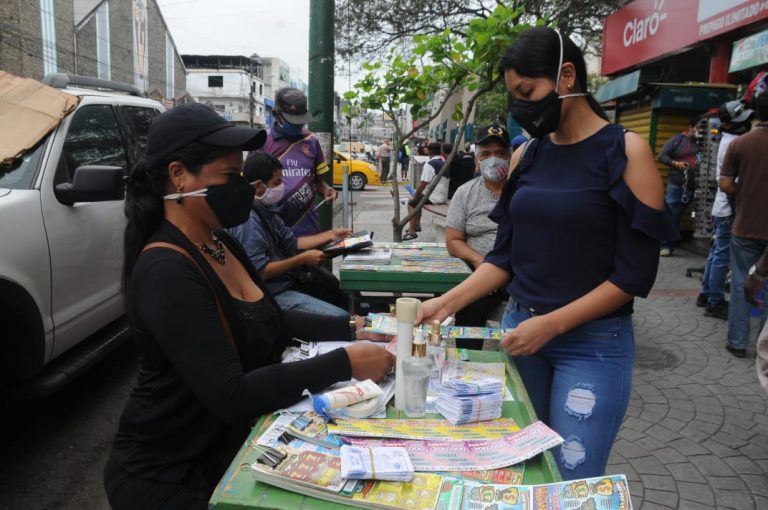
(469, 233)
(273, 248)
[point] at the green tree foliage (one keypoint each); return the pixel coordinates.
(422, 75)
(367, 28)
(492, 107)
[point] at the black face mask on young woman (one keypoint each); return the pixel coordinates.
(542, 117)
(230, 202)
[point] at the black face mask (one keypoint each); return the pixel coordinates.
(540, 117)
(231, 202)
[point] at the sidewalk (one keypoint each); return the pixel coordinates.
(696, 432)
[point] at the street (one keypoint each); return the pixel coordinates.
(695, 435)
(54, 448)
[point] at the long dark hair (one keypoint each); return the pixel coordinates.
(536, 54)
(144, 198)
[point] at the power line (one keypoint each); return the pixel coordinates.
(36, 47)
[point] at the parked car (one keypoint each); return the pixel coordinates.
(61, 254)
(360, 172)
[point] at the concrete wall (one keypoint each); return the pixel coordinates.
(21, 47)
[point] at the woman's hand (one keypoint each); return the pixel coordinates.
(313, 257)
(529, 336)
(370, 361)
(433, 309)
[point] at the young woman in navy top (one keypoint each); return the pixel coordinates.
(580, 220)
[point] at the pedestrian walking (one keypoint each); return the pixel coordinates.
(744, 176)
(734, 119)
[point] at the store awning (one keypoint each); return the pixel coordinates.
(749, 52)
(618, 87)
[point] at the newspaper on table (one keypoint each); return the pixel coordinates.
(609, 492)
(384, 463)
(435, 456)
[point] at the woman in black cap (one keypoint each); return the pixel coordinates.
(209, 334)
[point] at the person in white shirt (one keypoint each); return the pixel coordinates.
(437, 154)
(734, 118)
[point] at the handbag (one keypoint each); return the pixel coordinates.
(319, 282)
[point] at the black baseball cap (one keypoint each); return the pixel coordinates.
(176, 128)
(492, 131)
(292, 105)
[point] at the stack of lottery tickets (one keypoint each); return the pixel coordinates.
(379, 463)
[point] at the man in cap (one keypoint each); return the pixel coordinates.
(302, 159)
(734, 121)
(680, 154)
(744, 176)
(469, 233)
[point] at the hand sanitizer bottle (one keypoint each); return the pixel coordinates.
(417, 369)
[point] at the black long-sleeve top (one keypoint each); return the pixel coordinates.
(195, 392)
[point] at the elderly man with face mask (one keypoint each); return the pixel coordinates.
(469, 233)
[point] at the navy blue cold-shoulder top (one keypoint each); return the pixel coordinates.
(569, 222)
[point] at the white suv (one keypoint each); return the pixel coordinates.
(61, 238)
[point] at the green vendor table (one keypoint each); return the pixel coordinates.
(238, 490)
(435, 273)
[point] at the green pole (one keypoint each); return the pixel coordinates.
(320, 96)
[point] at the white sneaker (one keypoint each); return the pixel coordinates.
(665, 252)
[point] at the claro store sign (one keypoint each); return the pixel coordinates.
(646, 29)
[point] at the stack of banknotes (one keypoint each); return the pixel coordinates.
(378, 463)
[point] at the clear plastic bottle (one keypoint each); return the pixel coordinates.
(417, 369)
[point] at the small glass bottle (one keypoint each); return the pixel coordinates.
(417, 369)
(436, 351)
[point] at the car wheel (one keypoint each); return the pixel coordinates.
(357, 182)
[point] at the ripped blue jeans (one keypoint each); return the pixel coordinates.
(579, 384)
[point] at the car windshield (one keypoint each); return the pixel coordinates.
(20, 173)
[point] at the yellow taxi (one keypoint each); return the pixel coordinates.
(360, 172)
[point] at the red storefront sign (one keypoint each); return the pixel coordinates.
(646, 29)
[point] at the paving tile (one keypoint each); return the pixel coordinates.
(659, 483)
(686, 472)
(662, 433)
(756, 483)
(726, 482)
(744, 466)
(710, 465)
(664, 498)
(648, 465)
(688, 447)
(738, 500)
(698, 492)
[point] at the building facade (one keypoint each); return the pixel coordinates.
(120, 40)
(232, 85)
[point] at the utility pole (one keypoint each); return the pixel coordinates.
(251, 90)
(321, 70)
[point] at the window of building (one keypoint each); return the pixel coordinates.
(215, 80)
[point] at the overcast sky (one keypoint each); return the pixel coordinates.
(271, 28)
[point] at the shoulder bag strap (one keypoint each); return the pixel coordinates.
(222, 317)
